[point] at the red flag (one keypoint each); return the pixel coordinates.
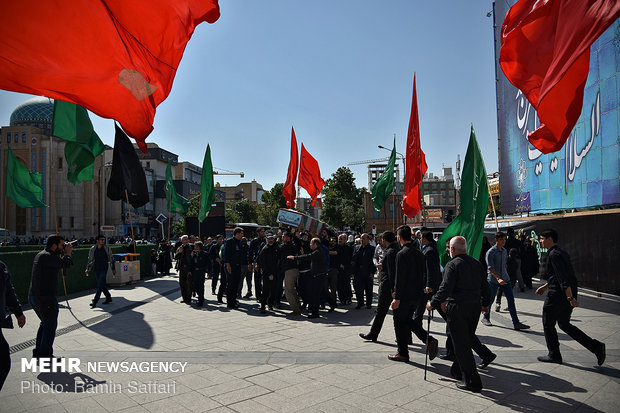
(415, 166)
(545, 53)
(117, 58)
(293, 166)
(310, 175)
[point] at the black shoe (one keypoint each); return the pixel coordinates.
(369, 306)
(200, 303)
(219, 300)
(263, 311)
(248, 295)
(357, 307)
(485, 362)
(108, 300)
(92, 304)
(331, 309)
(368, 337)
(270, 308)
(468, 387)
(521, 326)
(313, 316)
(432, 347)
(447, 357)
(549, 359)
(600, 353)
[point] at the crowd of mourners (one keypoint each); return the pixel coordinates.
(311, 272)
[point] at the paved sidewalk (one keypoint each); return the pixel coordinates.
(242, 361)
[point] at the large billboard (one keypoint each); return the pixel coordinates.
(585, 172)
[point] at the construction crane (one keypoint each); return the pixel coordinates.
(220, 171)
(368, 161)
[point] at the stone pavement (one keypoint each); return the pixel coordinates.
(242, 361)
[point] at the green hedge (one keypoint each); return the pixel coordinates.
(20, 266)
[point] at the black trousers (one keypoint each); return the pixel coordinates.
(268, 291)
(363, 287)
(222, 289)
(215, 276)
(344, 286)
(198, 285)
(559, 311)
(383, 306)
(480, 349)
(315, 285)
(418, 317)
(462, 321)
(5, 359)
(403, 324)
(232, 285)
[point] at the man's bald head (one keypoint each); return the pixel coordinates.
(458, 245)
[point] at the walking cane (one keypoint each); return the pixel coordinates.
(428, 334)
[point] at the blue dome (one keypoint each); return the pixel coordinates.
(37, 111)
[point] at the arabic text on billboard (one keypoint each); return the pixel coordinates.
(585, 172)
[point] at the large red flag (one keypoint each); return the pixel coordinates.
(291, 177)
(310, 175)
(545, 53)
(415, 166)
(117, 58)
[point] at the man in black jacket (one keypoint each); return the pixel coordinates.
(253, 250)
(183, 257)
(386, 285)
(268, 263)
(461, 295)
(233, 260)
(216, 265)
(291, 272)
(363, 272)
(345, 255)
(318, 268)
(42, 294)
(408, 291)
(561, 299)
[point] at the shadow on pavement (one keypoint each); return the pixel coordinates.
(499, 342)
(69, 383)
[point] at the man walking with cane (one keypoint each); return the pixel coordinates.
(461, 295)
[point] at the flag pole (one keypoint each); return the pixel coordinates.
(5, 217)
(492, 205)
(133, 239)
(53, 193)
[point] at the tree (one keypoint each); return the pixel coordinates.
(343, 202)
(273, 201)
(242, 211)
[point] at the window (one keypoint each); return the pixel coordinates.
(392, 210)
(8, 137)
(71, 222)
(59, 163)
(16, 137)
(375, 214)
(23, 137)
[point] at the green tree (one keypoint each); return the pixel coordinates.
(343, 202)
(273, 201)
(244, 210)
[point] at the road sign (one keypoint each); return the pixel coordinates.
(107, 228)
(161, 218)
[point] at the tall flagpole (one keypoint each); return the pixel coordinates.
(133, 239)
(53, 193)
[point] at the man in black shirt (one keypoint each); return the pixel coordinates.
(561, 299)
(291, 272)
(42, 294)
(363, 272)
(318, 268)
(216, 264)
(233, 260)
(463, 290)
(408, 290)
(255, 247)
(345, 255)
(268, 264)
(386, 285)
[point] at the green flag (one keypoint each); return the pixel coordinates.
(474, 203)
(176, 203)
(207, 192)
(23, 186)
(385, 183)
(72, 124)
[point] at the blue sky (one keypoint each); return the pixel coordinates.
(340, 72)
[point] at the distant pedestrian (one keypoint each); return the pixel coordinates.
(183, 258)
(561, 298)
(198, 267)
(363, 272)
(99, 259)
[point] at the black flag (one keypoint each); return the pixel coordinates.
(127, 173)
